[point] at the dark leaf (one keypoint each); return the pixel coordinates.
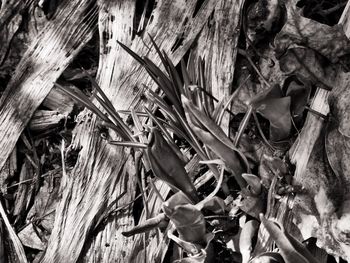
(300, 95)
(168, 167)
(277, 111)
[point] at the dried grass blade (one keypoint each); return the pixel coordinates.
(232, 97)
(243, 125)
(138, 113)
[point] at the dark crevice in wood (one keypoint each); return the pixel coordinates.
(179, 41)
(198, 6)
(143, 8)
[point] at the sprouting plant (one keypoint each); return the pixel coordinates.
(191, 113)
(163, 157)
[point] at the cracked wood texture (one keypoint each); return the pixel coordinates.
(217, 44)
(41, 65)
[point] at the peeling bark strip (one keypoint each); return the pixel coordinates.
(40, 66)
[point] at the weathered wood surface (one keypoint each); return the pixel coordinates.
(217, 45)
(41, 65)
(100, 176)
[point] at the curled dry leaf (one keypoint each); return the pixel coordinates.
(205, 255)
(269, 167)
(333, 201)
(327, 179)
(254, 183)
(268, 257)
(252, 204)
(215, 205)
(300, 94)
(340, 106)
(31, 236)
(262, 17)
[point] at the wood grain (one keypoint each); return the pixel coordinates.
(41, 65)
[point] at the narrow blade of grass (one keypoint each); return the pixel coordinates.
(232, 97)
(157, 50)
(98, 88)
(126, 132)
(84, 100)
(132, 53)
(167, 136)
(175, 78)
(129, 144)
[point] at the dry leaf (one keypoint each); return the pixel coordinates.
(330, 42)
(308, 66)
(30, 238)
